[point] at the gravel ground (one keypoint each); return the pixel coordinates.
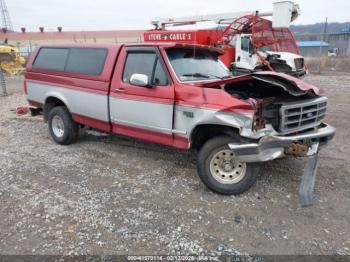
(112, 195)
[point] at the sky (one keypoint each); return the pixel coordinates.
(136, 14)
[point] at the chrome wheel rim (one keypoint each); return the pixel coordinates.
(57, 126)
(225, 168)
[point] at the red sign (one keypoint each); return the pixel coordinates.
(170, 36)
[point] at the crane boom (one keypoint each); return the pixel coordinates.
(283, 13)
(217, 18)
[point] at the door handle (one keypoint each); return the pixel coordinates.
(119, 90)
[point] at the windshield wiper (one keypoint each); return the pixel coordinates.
(197, 75)
(206, 76)
(225, 77)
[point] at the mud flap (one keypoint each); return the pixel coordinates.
(308, 180)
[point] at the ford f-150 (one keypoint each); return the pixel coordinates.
(182, 96)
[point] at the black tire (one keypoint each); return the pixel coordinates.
(206, 155)
(69, 127)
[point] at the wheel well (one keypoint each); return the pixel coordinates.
(50, 103)
(201, 134)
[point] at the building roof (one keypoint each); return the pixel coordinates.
(18, 36)
(312, 44)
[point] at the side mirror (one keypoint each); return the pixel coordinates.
(139, 80)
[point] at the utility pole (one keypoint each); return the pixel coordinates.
(5, 17)
(321, 45)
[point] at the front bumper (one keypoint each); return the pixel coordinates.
(272, 147)
(298, 73)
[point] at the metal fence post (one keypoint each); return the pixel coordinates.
(3, 83)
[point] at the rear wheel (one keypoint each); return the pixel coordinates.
(221, 171)
(62, 127)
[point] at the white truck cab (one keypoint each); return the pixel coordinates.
(247, 59)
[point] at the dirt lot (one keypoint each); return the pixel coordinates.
(108, 195)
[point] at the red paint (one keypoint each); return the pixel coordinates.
(210, 98)
(25, 89)
(141, 98)
(151, 136)
(104, 126)
(229, 57)
(143, 134)
(35, 104)
(181, 142)
(302, 85)
(77, 84)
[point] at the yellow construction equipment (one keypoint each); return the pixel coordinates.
(11, 62)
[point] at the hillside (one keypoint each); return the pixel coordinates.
(319, 27)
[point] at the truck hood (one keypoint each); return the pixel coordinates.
(283, 55)
(292, 85)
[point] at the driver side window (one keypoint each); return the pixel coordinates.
(245, 43)
(146, 63)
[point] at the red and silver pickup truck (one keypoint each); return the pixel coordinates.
(181, 95)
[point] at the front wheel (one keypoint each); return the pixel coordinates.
(220, 170)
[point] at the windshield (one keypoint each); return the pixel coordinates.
(196, 64)
(264, 49)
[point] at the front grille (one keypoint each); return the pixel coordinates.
(299, 116)
(299, 63)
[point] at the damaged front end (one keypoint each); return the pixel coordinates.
(288, 121)
(287, 63)
(300, 145)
